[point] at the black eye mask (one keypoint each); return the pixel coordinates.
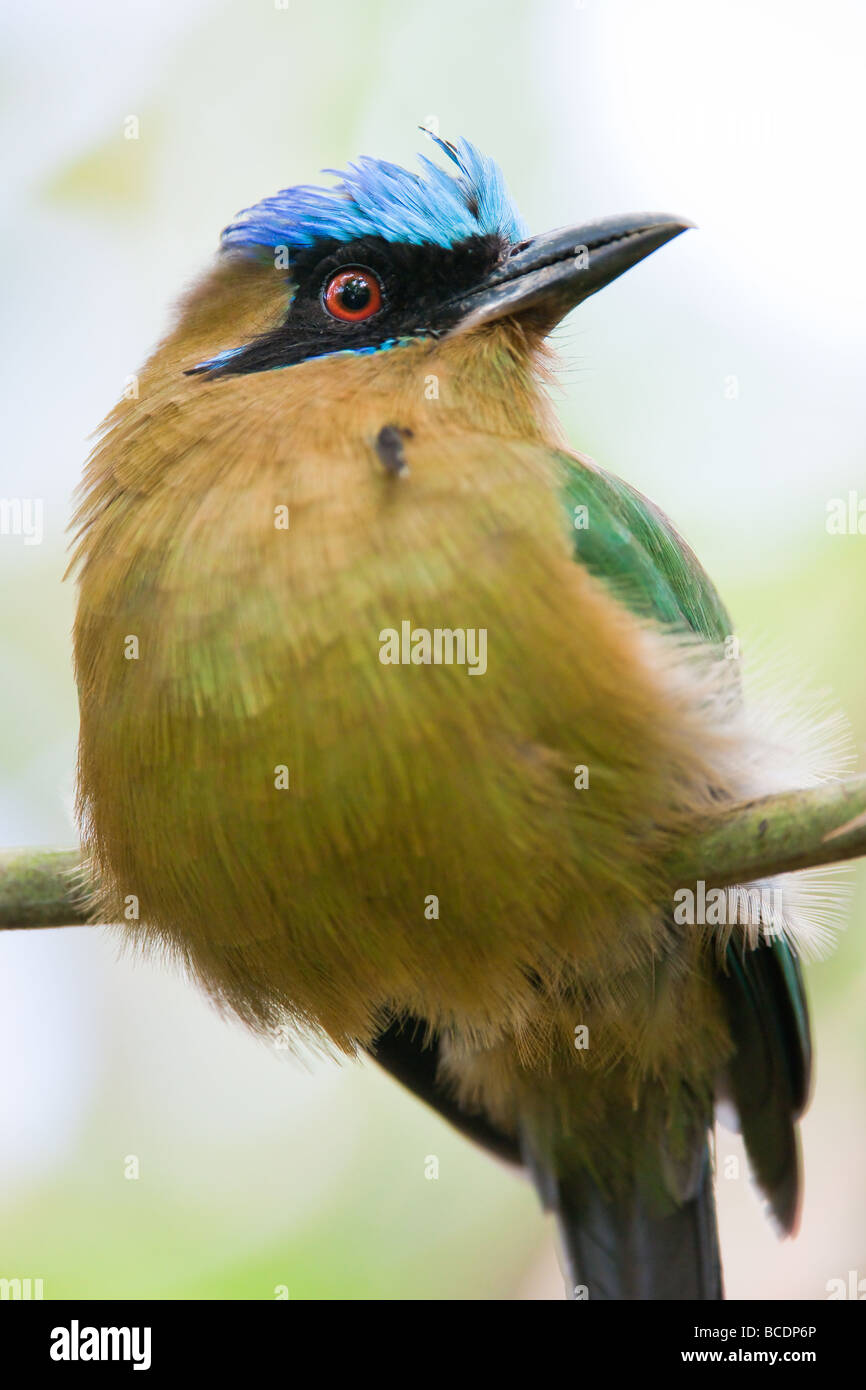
(419, 288)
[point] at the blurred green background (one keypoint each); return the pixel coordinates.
(724, 378)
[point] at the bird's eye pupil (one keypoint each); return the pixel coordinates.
(355, 294)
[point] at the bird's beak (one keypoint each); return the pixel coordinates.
(542, 279)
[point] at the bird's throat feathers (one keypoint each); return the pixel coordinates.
(491, 380)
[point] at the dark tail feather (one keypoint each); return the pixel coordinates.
(768, 1076)
(621, 1250)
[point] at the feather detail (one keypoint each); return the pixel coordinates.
(376, 198)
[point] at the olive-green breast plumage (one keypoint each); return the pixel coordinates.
(400, 857)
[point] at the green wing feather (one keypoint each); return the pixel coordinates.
(627, 542)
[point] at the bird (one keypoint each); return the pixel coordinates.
(392, 704)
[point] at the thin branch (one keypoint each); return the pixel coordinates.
(41, 888)
(744, 842)
(775, 835)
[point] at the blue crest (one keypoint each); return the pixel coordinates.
(375, 198)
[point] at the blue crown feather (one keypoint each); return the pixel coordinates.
(375, 198)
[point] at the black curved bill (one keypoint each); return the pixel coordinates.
(547, 276)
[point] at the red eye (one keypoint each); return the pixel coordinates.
(353, 294)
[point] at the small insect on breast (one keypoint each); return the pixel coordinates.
(390, 451)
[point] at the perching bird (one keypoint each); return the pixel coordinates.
(391, 707)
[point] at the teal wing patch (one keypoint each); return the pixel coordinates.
(627, 542)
